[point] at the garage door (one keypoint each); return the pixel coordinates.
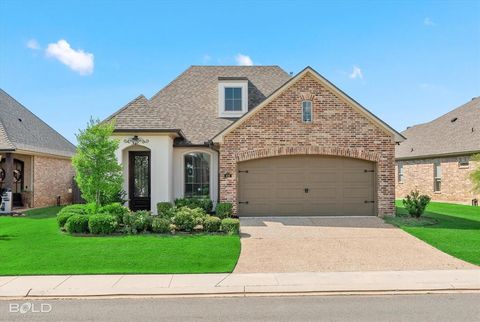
(306, 186)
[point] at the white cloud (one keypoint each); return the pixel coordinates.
(77, 60)
(243, 60)
(356, 73)
(429, 22)
(206, 58)
(33, 44)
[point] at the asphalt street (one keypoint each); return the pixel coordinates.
(432, 307)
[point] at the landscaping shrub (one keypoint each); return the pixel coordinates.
(77, 224)
(62, 218)
(76, 209)
(102, 224)
(212, 224)
(160, 225)
(230, 226)
(137, 222)
(415, 203)
(165, 209)
(223, 210)
(91, 208)
(185, 219)
(115, 209)
(192, 203)
(68, 211)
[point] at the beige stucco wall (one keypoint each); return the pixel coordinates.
(456, 183)
(161, 149)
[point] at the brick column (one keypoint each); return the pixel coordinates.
(8, 182)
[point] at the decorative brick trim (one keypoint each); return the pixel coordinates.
(299, 150)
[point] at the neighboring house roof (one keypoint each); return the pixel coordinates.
(190, 102)
(453, 133)
(20, 129)
(308, 70)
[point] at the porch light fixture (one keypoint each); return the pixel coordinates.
(136, 140)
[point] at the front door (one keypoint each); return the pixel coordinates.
(139, 180)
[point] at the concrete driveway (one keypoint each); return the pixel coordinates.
(312, 244)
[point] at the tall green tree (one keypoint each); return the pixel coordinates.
(98, 174)
(475, 175)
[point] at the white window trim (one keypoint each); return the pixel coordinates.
(400, 173)
(243, 84)
(211, 177)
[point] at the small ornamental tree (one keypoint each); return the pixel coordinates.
(415, 203)
(475, 175)
(98, 174)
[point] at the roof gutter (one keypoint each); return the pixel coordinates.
(176, 131)
(431, 156)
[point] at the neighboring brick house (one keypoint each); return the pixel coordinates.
(436, 157)
(35, 160)
(271, 144)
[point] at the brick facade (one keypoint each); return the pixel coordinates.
(337, 129)
(418, 174)
(52, 177)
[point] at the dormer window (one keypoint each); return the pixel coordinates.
(232, 97)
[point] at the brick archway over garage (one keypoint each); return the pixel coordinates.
(308, 150)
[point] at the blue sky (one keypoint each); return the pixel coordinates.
(406, 61)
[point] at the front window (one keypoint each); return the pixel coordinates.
(233, 99)
(437, 177)
(463, 162)
(400, 173)
(197, 175)
(307, 111)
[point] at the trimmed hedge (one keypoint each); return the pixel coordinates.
(230, 226)
(67, 212)
(160, 225)
(165, 209)
(137, 222)
(102, 224)
(77, 224)
(192, 203)
(212, 224)
(116, 210)
(223, 210)
(62, 218)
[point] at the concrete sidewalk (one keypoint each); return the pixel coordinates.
(224, 284)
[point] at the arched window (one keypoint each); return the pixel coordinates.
(307, 111)
(197, 174)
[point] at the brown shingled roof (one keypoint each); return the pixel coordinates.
(189, 102)
(456, 132)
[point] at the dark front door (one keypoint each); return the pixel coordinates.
(139, 180)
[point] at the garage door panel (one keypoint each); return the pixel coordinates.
(336, 186)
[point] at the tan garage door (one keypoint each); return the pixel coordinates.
(306, 186)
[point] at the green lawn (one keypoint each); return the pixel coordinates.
(34, 245)
(454, 229)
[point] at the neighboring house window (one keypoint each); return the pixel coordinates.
(400, 173)
(307, 111)
(437, 177)
(463, 162)
(197, 174)
(232, 98)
